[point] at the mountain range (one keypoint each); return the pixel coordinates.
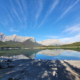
(16, 38)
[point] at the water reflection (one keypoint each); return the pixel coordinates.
(54, 54)
(15, 57)
(58, 54)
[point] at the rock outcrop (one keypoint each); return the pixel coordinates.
(6, 63)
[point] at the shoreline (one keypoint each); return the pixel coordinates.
(30, 69)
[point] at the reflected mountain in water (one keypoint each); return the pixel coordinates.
(32, 56)
(48, 52)
(18, 54)
(39, 54)
(16, 57)
(53, 52)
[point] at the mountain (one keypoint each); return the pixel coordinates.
(51, 42)
(15, 38)
(55, 42)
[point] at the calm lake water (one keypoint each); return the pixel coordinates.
(55, 54)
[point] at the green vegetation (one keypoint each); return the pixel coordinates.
(67, 46)
(13, 44)
(3, 43)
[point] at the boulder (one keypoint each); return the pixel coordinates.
(3, 65)
(9, 60)
(11, 65)
(13, 78)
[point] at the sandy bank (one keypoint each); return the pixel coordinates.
(29, 69)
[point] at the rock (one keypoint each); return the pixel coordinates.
(54, 73)
(13, 78)
(5, 60)
(3, 65)
(54, 69)
(1, 60)
(39, 60)
(11, 65)
(9, 60)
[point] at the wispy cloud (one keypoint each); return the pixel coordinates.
(13, 30)
(54, 4)
(69, 8)
(10, 18)
(39, 11)
(24, 17)
(17, 14)
(8, 14)
(15, 11)
(73, 29)
(3, 23)
(20, 6)
(24, 4)
(71, 39)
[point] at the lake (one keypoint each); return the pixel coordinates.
(54, 54)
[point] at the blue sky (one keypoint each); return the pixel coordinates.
(42, 19)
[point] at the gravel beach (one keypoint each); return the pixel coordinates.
(30, 69)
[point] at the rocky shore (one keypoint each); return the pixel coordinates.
(30, 69)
